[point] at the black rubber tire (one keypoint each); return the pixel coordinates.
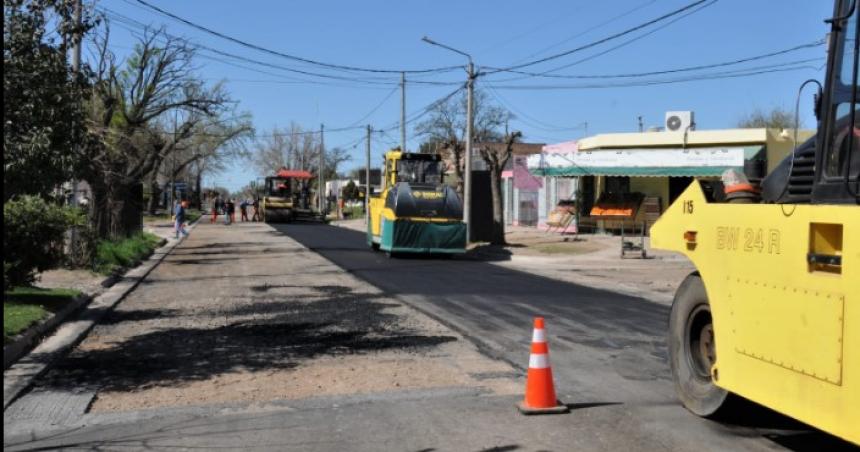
(374, 246)
(690, 327)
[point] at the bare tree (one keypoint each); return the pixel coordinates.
(213, 144)
(131, 106)
(295, 148)
(777, 118)
(497, 155)
(283, 147)
(447, 127)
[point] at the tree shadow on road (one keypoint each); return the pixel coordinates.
(137, 315)
(277, 333)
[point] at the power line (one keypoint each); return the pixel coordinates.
(603, 40)
(377, 81)
(416, 115)
(536, 122)
(671, 71)
(588, 30)
(288, 56)
(634, 39)
(371, 112)
(715, 76)
(134, 23)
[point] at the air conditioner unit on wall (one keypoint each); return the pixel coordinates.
(680, 121)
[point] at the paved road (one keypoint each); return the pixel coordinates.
(606, 348)
(607, 355)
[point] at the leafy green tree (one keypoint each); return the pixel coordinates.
(349, 191)
(43, 101)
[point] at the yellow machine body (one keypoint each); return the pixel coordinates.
(378, 211)
(786, 322)
(431, 228)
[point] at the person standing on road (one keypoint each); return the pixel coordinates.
(215, 201)
(243, 208)
(256, 205)
(229, 208)
(179, 218)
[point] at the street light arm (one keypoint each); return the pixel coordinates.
(432, 42)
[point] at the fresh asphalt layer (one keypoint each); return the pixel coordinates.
(606, 348)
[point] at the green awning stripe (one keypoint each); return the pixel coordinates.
(679, 171)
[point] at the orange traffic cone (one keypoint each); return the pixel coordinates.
(540, 390)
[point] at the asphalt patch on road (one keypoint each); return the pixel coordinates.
(275, 333)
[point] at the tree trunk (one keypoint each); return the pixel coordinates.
(117, 209)
(458, 173)
(99, 212)
(198, 193)
(155, 193)
(498, 234)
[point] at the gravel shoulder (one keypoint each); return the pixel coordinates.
(243, 314)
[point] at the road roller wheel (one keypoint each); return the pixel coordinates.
(692, 350)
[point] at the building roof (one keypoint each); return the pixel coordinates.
(694, 138)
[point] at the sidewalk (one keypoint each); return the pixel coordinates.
(592, 260)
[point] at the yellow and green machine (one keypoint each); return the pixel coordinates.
(772, 312)
(415, 212)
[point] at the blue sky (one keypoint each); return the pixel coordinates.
(387, 35)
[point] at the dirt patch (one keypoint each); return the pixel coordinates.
(83, 280)
(229, 320)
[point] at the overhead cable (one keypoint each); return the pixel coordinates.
(603, 40)
(288, 56)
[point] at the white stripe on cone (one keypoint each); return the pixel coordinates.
(538, 361)
(538, 336)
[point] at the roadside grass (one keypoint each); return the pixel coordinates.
(24, 306)
(114, 254)
(353, 212)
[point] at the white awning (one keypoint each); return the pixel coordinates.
(669, 158)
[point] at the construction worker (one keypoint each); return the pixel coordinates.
(215, 205)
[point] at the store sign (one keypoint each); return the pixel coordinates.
(667, 158)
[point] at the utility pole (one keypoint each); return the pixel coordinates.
(322, 193)
(76, 68)
(367, 178)
(173, 171)
(403, 111)
(467, 185)
(467, 177)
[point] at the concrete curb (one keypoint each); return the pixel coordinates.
(25, 342)
(20, 376)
